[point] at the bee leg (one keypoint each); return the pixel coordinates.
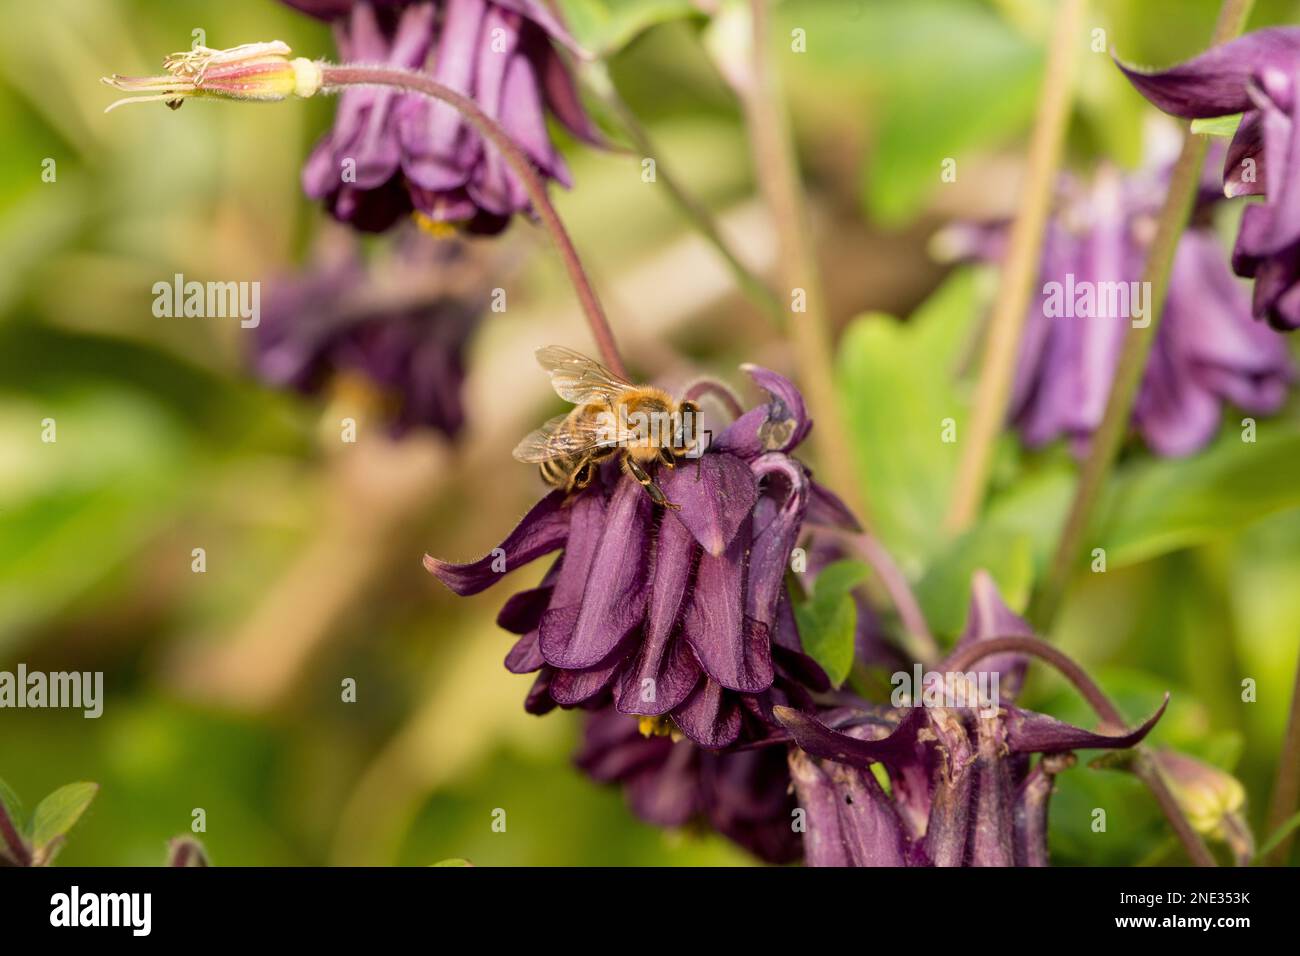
(666, 456)
(643, 478)
(580, 477)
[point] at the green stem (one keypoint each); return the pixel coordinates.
(344, 76)
(1106, 440)
(1286, 786)
(1020, 269)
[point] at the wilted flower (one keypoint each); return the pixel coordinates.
(254, 71)
(1256, 75)
(392, 152)
(681, 615)
(963, 788)
(341, 322)
(745, 795)
(1207, 352)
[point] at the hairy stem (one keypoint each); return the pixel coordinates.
(1286, 786)
(1020, 268)
(777, 173)
(335, 77)
(1137, 346)
(1104, 708)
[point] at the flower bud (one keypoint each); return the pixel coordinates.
(1213, 801)
(254, 71)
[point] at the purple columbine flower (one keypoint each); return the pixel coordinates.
(339, 323)
(745, 795)
(391, 153)
(681, 615)
(964, 788)
(1208, 352)
(1257, 75)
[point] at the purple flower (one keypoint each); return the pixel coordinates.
(1256, 75)
(745, 796)
(1208, 352)
(337, 324)
(681, 615)
(391, 153)
(964, 788)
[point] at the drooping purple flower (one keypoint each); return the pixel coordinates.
(745, 795)
(964, 788)
(681, 615)
(391, 153)
(1257, 75)
(1208, 353)
(340, 321)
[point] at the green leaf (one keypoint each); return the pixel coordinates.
(59, 812)
(829, 619)
(453, 861)
(1159, 505)
(606, 26)
(1278, 836)
(898, 385)
(959, 80)
(1217, 125)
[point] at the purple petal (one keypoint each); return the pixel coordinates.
(1028, 732)
(732, 648)
(988, 618)
(819, 740)
(709, 717)
(523, 610)
(540, 13)
(779, 425)
(614, 598)
(1247, 143)
(825, 508)
(665, 671)
(1215, 83)
(778, 519)
(541, 531)
(526, 655)
(714, 503)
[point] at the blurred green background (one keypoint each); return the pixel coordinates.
(223, 688)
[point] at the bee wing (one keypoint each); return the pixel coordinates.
(579, 379)
(558, 438)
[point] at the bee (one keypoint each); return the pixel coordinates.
(642, 424)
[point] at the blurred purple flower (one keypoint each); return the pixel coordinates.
(682, 616)
(338, 321)
(1257, 75)
(963, 788)
(745, 796)
(391, 153)
(1208, 352)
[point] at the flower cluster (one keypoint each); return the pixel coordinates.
(680, 615)
(347, 320)
(1208, 352)
(1258, 76)
(392, 153)
(964, 789)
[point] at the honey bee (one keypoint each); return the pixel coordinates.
(642, 424)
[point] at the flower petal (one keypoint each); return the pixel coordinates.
(732, 647)
(541, 531)
(779, 425)
(715, 495)
(614, 598)
(1028, 732)
(988, 618)
(709, 717)
(1215, 83)
(819, 740)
